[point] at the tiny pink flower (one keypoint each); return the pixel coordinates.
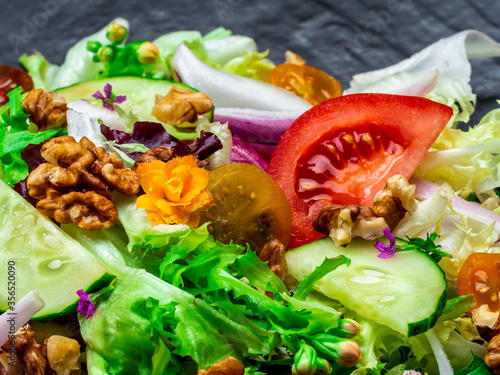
(386, 251)
(108, 98)
(85, 305)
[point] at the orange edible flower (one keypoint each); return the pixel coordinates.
(175, 191)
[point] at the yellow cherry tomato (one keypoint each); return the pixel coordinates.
(249, 207)
(309, 83)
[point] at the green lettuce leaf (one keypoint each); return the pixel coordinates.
(476, 367)
(15, 136)
(328, 265)
(109, 246)
(40, 69)
(124, 337)
(143, 235)
(252, 65)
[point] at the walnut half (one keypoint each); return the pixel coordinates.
(343, 223)
(181, 105)
(228, 366)
(63, 354)
(76, 183)
(492, 359)
(89, 210)
(274, 252)
(46, 109)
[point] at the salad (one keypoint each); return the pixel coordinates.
(186, 206)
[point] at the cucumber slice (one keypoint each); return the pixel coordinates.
(406, 292)
(140, 93)
(46, 259)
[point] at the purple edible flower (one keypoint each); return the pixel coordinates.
(386, 251)
(109, 99)
(85, 305)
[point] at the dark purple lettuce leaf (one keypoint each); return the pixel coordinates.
(206, 144)
(32, 156)
(22, 189)
(258, 154)
(153, 134)
(150, 134)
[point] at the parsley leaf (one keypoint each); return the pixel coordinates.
(427, 246)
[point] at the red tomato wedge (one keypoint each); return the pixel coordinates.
(343, 151)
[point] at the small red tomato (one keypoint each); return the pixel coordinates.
(480, 276)
(10, 78)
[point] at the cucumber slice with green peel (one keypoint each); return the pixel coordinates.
(406, 292)
(140, 93)
(44, 258)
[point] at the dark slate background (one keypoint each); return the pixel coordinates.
(340, 37)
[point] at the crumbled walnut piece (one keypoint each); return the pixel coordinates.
(391, 209)
(486, 321)
(274, 252)
(343, 223)
(89, 210)
(398, 186)
(63, 354)
(181, 105)
(111, 169)
(75, 186)
(492, 359)
(31, 356)
(164, 154)
(46, 109)
(122, 179)
(156, 153)
(228, 366)
(484, 317)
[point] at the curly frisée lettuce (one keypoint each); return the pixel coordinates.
(143, 235)
(121, 335)
(447, 59)
(467, 160)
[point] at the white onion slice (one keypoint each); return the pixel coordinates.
(109, 118)
(232, 90)
(24, 310)
(425, 189)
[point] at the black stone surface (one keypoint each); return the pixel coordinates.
(340, 37)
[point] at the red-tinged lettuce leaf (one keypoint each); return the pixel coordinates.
(32, 155)
(33, 158)
(153, 134)
(150, 134)
(258, 154)
(22, 190)
(206, 144)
